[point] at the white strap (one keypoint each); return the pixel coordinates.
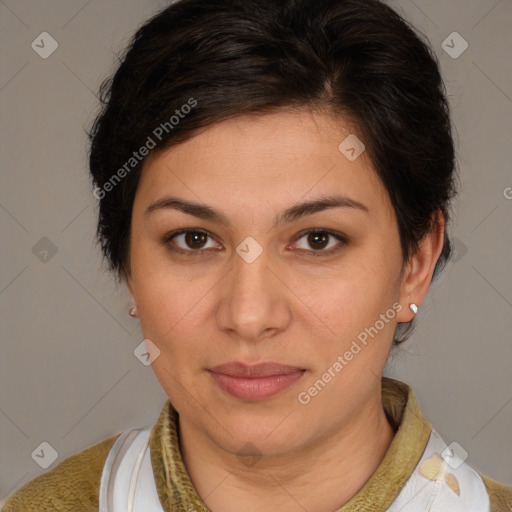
(135, 476)
(127, 481)
(456, 488)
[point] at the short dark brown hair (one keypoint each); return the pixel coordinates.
(224, 58)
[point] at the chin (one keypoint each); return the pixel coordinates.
(273, 433)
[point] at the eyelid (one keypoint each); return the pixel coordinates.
(343, 239)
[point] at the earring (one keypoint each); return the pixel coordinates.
(133, 312)
(413, 308)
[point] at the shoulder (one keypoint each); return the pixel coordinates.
(500, 495)
(72, 486)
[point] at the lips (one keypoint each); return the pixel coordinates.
(256, 371)
(258, 382)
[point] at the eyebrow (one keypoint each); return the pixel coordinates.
(291, 214)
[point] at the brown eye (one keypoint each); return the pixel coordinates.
(318, 240)
(189, 241)
(195, 239)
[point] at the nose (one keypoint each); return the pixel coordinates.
(254, 302)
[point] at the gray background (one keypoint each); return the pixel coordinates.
(68, 373)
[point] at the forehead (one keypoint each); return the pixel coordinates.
(274, 160)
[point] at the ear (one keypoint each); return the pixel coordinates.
(128, 280)
(420, 268)
(129, 286)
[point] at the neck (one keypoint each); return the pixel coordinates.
(336, 468)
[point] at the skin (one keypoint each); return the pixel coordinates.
(286, 306)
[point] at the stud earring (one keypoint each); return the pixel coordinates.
(413, 308)
(133, 312)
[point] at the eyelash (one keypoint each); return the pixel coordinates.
(315, 254)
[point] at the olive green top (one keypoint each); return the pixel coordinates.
(73, 485)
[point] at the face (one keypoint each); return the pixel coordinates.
(314, 290)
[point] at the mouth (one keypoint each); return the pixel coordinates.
(255, 383)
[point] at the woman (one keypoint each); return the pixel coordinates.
(274, 182)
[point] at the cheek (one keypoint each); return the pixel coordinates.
(174, 312)
(170, 309)
(358, 306)
(163, 294)
(354, 311)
